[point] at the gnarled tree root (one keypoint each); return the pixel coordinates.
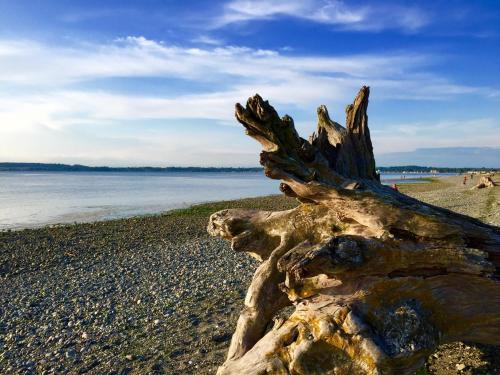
(378, 279)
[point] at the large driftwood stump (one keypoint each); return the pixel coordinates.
(485, 182)
(378, 279)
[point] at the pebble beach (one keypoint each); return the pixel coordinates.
(156, 295)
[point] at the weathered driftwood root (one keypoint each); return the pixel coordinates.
(485, 182)
(378, 279)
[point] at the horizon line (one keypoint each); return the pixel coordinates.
(62, 165)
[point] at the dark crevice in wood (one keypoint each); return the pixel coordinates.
(417, 272)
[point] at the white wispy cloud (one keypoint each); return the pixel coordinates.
(207, 39)
(235, 73)
(369, 17)
(27, 62)
(291, 79)
(46, 93)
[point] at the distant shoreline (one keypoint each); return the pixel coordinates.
(43, 167)
(56, 167)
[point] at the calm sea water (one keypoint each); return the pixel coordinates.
(34, 199)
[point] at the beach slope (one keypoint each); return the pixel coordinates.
(156, 294)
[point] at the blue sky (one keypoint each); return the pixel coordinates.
(155, 82)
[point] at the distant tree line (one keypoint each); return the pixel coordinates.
(420, 169)
(43, 167)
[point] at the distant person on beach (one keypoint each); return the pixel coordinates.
(465, 180)
(395, 187)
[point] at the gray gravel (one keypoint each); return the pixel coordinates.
(144, 295)
(451, 193)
